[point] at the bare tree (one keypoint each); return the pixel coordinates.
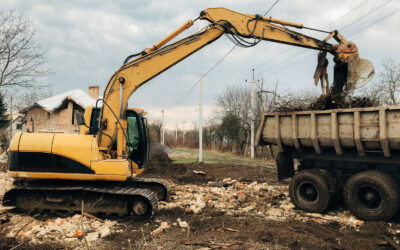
(389, 81)
(22, 63)
(234, 113)
(28, 98)
(155, 131)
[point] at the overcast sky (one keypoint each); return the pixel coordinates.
(86, 41)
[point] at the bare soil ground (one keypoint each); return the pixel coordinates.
(161, 165)
(263, 219)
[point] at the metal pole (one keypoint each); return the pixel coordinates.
(252, 117)
(162, 128)
(201, 120)
(183, 133)
(176, 132)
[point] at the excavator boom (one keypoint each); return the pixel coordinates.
(243, 29)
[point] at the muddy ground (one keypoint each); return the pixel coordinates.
(263, 219)
(185, 173)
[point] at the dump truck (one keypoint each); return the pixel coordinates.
(350, 154)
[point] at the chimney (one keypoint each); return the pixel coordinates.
(94, 92)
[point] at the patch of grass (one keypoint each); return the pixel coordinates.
(186, 155)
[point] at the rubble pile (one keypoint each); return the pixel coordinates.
(235, 198)
(72, 231)
(6, 183)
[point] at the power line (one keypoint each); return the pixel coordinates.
(270, 8)
(360, 30)
(377, 21)
(297, 54)
(294, 56)
(213, 67)
(348, 12)
(197, 82)
(369, 13)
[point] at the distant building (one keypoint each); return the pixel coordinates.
(58, 113)
(18, 124)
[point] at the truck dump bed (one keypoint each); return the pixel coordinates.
(362, 130)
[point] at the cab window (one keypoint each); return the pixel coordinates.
(133, 132)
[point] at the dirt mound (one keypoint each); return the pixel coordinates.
(160, 165)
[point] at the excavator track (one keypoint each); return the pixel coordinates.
(161, 186)
(137, 197)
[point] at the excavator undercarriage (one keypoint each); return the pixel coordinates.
(137, 198)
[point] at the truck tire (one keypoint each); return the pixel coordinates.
(372, 195)
(312, 190)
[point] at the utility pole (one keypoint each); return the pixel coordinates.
(176, 132)
(201, 120)
(253, 82)
(162, 128)
(183, 133)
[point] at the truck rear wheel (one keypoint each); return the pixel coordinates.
(372, 195)
(312, 190)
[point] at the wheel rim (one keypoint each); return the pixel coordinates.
(369, 197)
(308, 191)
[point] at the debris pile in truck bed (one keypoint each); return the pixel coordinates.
(338, 101)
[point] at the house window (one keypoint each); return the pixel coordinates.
(75, 112)
(19, 126)
(48, 115)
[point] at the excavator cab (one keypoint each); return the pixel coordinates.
(137, 137)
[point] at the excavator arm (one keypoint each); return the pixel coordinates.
(245, 30)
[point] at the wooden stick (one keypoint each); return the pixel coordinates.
(228, 229)
(391, 242)
(93, 217)
(31, 220)
(15, 247)
(83, 231)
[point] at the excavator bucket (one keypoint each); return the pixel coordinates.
(360, 72)
(351, 73)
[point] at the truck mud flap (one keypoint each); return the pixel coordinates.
(284, 165)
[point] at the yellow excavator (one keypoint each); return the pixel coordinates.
(100, 167)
